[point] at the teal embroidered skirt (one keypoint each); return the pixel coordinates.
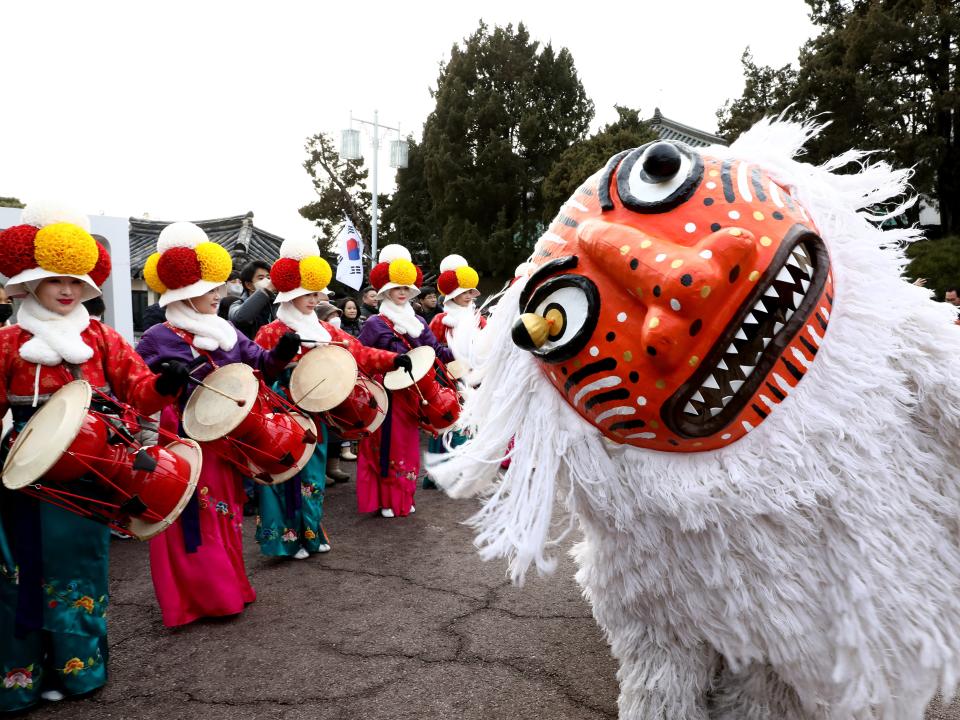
(53, 632)
(286, 523)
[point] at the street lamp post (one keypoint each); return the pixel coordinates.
(350, 150)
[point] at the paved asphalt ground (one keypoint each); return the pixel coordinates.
(400, 620)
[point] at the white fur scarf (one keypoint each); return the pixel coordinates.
(56, 338)
(306, 325)
(210, 331)
(403, 317)
(454, 314)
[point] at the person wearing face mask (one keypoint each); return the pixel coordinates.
(389, 461)
(53, 563)
(232, 291)
(289, 523)
(197, 564)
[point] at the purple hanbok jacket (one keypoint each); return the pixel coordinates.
(160, 344)
(376, 333)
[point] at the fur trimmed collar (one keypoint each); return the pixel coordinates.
(210, 332)
(306, 325)
(403, 317)
(56, 338)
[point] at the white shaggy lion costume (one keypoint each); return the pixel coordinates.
(770, 529)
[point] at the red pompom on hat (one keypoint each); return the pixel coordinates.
(380, 275)
(285, 274)
(16, 249)
(419, 280)
(448, 282)
(101, 271)
(178, 267)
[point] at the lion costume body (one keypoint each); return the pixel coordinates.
(763, 471)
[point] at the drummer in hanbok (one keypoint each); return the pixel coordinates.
(53, 563)
(457, 283)
(389, 461)
(289, 521)
(197, 565)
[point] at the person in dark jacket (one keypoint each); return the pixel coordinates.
(351, 322)
(153, 315)
(234, 290)
(255, 307)
(369, 304)
(428, 303)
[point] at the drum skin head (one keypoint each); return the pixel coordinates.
(208, 416)
(323, 378)
(189, 451)
(383, 402)
(47, 435)
(457, 369)
(308, 449)
(422, 358)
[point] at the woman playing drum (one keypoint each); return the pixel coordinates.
(289, 520)
(53, 564)
(458, 284)
(197, 565)
(389, 461)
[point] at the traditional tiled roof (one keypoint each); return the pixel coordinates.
(669, 129)
(241, 238)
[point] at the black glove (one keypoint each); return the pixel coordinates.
(403, 361)
(173, 377)
(288, 347)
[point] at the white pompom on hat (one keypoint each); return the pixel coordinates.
(299, 248)
(452, 262)
(389, 253)
(48, 212)
(180, 234)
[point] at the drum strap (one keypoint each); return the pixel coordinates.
(29, 558)
(190, 517)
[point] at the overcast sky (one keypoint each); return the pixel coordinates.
(199, 109)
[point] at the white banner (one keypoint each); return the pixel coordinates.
(349, 256)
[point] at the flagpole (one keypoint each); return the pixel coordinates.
(373, 225)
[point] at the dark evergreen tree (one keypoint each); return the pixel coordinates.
(582, 159)
(506, 109)
(886, 74)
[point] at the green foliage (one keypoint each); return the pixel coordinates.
(766, 92)
(936, 260)
(341, 187)
(886, 73)
(506, 109)
(584, 158)
(10, 202)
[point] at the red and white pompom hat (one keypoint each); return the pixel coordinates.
(396, 269)
(456, 277)
(300, 270)
(186, 265)
(52, 241)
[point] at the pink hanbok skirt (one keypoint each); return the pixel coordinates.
(212, 581)
(390, 481)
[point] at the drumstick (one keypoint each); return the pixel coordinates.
(423, 400)
(239, 401)
(341, 343)
(307, 393)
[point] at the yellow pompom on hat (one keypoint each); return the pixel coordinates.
(456, 277)
(187, 264)
(300, 270)
(396, 269)
(53, 240)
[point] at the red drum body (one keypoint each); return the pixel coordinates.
(439, 408)
(328, 384)
(361, 413)
(77, 459)
(438, 405)
(247, 420)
